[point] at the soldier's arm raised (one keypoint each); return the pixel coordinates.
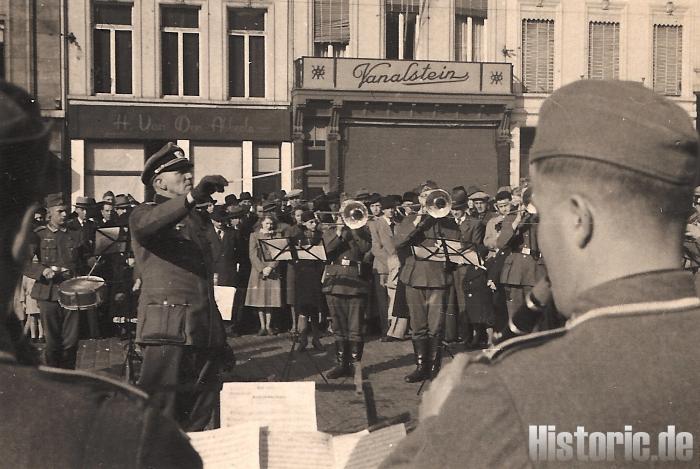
(148, 220)
(507, 232)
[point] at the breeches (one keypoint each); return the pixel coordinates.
(61, 327)
(347, 313)
(426, 306)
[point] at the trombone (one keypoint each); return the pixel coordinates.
(437, 203)
(353, 214)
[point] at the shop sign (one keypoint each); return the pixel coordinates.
(171, 122)
(410, 76)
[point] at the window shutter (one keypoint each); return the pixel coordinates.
(603, 50)
(538, 55)
(403, 6)
(473, 8)
(668, 50)
(332, 21)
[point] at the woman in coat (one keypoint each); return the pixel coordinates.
(265, 284)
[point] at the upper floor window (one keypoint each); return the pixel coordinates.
(2, 49)
(603, 50)
(112, 48)
(538, 56)
(246, 52)
(401, 28)
(331, 27)
(180, 50)
(470, 21)
(668, 51)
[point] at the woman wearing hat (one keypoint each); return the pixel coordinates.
(265, 285)
(308, 297)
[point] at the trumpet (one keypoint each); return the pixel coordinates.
(438, 203)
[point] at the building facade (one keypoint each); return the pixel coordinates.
(32, 56)
(211, 75)
(554, 42)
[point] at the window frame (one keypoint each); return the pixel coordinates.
(402, 21)
(246, 34)
(180, 31)
(680, 65)
(466, 23)
(617, 55)
(113, 28)
(542, 19)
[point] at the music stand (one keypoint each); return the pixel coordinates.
(282, 249)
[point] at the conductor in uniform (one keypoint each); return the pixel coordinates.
(608, 155)
(53, 417)
(179, 326)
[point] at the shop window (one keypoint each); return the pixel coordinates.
(470, 23)
(315, 151)
(246, 52)
(112, 48)
(401, 29)
(668, 63)
(114, 166)
(2, 49)
(331, 27)
(219, 158)
(266, 159)
(603, 50)
(538, 55)
(180, 50)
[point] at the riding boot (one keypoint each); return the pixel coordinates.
(421, 353)
(341, 356)
(480, 339)
(435, 355)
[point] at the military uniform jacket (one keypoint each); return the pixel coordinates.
(424, 273)
(59, 249)
(524, 264)
(94, 422)
(629, 356)
(172, 249)
(343, 275)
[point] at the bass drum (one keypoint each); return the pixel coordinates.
(82, 292)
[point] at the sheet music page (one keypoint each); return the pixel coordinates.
(224, 300)
(236, 447)
(312, 253)
(295, 450)
(343, 446)
(279, 406)
(374, 447)
(430, 253)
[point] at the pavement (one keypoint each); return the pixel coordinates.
(339, 408)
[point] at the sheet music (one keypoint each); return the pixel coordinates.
(295, 450)
(107, 241)
(343, 446)
(279, 406)
(224, 300)
(236, 447)
(311, 253)
(276, 249)
(373, 448)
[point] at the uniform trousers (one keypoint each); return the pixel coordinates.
(515, 297)
(426, 307)
(62, 330)
(169, 373)
(347, 312)
(381, 300)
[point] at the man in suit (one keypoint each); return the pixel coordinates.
(386, 261)
(179, 326)
(427, 284)
(608, 155)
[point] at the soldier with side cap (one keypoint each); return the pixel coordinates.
(608, 155)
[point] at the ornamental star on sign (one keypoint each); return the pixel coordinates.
(318, 72)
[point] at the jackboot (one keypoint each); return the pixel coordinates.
(315, 336)
(422, 356)
(435, 355)
(342, 358)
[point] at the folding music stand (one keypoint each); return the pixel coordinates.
(282, 249)
(109, 240)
